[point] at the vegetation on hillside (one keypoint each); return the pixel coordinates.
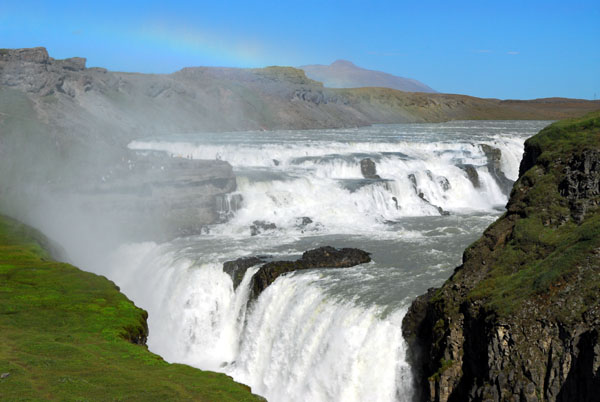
(520, 318)
(66, 334)
(548, 245)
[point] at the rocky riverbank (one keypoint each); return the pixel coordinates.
(519, 320)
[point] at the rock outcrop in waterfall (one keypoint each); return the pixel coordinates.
(322, 257)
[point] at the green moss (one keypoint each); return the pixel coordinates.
(66, 334)
(546, 248)
(443, 366)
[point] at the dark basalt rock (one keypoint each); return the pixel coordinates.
(444, 183)
(331, 257)
(237, 268)
(472, 175)
(303, 221)
(323, 257)
(494, 156)
(259, 227)
(368, 169)
(413, 180)
(443, 212)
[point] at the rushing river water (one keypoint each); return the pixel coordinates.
(330, 334)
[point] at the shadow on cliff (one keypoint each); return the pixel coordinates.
(583, 382)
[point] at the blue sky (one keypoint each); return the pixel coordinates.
(502, 49)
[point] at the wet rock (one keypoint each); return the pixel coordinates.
(331, 257)
(413, 180)
(236, 269)
(368, 169)
(421, 195)
(303, 221)
(259, 227)
(472, 175)
(323, 257)
(443, 212)
(444, 183)
(494, 157)
(228, 204)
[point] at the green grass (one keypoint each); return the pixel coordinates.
(66, 334)
(546, 249)
(443, 366)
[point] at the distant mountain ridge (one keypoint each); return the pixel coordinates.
(345, 74)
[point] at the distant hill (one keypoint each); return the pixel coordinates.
(345, 74)
(72, 106)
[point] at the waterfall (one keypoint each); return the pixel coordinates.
(330, 334)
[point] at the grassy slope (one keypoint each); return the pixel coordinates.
(546, 250)
(64, 335)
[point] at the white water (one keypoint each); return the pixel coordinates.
(326, 335)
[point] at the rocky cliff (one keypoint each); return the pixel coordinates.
(519, 320)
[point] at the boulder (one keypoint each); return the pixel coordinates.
(303, 221)
(259, 227)
(444, 183)
(368, 169)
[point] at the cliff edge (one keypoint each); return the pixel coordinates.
(66, 334)
(519, 320)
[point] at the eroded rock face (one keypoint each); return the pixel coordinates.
(494, 156)
(581, 183)
(322, 257)
(472, 175)
(475, 340)
(237, 268)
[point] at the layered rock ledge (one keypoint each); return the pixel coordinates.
(322, 257)
(519, 320)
